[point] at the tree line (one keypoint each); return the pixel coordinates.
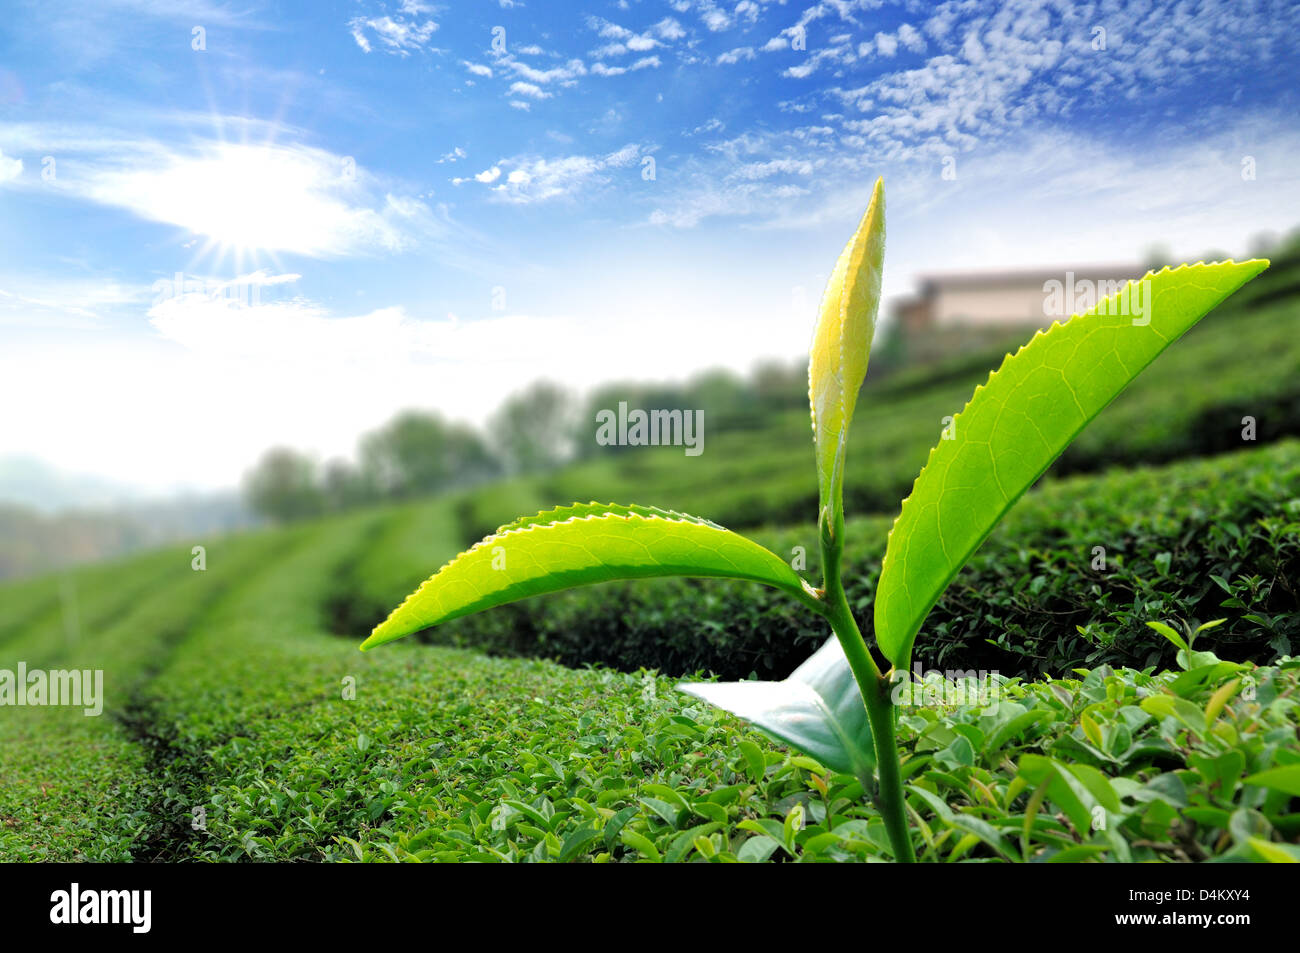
(420, 452)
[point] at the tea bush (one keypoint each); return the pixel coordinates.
(1200, 540)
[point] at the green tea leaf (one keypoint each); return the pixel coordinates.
(840, 349)
(578, 545)
(1272, 853)
(817, 710)
(1285, 779)
(1017, 423)
(1169, 633)
(754, 760)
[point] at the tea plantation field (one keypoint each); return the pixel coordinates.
(241, 722)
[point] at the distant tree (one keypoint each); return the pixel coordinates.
(637, 396)
(781, 385)
(534, 429)
(725, 398)
(344, 485)
(1156, 256)
(283, 486)
(418, 453)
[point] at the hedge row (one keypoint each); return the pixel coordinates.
(1069, 579)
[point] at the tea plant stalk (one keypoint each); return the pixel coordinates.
(875, 688)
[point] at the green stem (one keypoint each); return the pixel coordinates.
(875, 687)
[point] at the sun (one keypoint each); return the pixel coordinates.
(250, 202)
(241, 204)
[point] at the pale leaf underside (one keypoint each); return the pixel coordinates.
(817, 710)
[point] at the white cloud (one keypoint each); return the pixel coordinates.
(714, 17)
(487, 176)
(9, 168)
(478, 69)
(563, 75)
(625, 40)
(529, 89)
(43, 302)
(911, 38)
(317, 378)
(669, 29)
(608, 30)
(533, 178)
(398, 36)
(736, 55)
(646, 62)
(763, 170)
(284, 197)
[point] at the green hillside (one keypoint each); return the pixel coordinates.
(227, 690)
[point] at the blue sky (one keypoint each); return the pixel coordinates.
(379, 205)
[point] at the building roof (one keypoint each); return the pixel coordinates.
(951, 281)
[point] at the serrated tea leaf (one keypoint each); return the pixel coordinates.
(841, 346)
(817, 710)
(578, 545)
(1017, 423)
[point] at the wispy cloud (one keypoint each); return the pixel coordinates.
(47, 302)
(400, 35)
(283, 197)
(530, 179)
